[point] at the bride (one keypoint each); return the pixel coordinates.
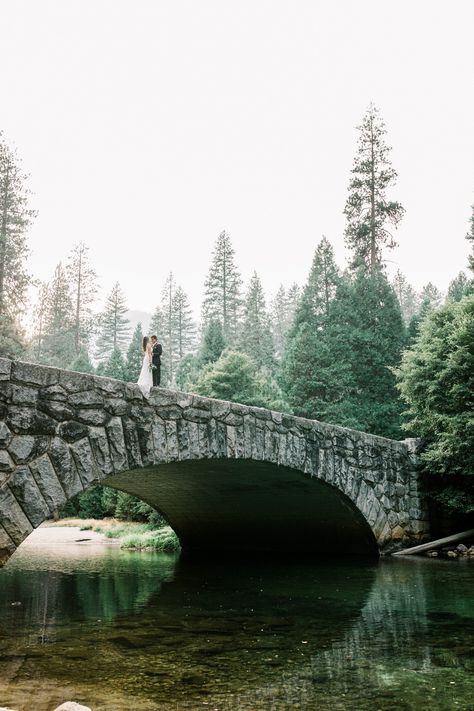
(145, 380)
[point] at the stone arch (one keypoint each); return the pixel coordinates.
(61, 432)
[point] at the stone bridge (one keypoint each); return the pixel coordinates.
(226, 476)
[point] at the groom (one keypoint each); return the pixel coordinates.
(156, 360)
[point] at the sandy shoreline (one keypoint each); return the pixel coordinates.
(67, 534)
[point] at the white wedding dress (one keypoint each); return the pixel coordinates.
(145, 380)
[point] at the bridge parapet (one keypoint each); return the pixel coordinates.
(62, 432)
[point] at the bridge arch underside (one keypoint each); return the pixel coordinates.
(250, 507)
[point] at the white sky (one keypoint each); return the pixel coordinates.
(148, 126)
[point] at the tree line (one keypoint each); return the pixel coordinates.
(350, 346)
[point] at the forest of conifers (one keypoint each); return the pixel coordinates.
(350, 346)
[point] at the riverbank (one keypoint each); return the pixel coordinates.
(126, 534)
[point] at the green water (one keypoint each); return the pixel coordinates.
(118, 631)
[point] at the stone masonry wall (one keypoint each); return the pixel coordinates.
(61, 432)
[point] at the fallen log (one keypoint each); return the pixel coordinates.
(432, 545)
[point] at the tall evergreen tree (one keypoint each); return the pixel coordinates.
(213, 343)
(133, 363)
(470, 239)
(114, 366)
(256, 338)
(430, 295)
(170, 352)
(407, 296)
(158, 329)
(15, 218)
(83, 284)
(366, 333)
(311, 379)
(184, 325)
(39, 322)
(368, 210)
(459, 287)
(282, 312)
(82, 362)
(222, 299)
(58, 344)
(114, 327)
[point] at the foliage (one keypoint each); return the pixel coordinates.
(15, 218)
(183, 323)
(436, 380)
(234, 377)
(282, 311)
(114, 327)
(82, 281)
(213, 343)
(58, 342)
(114, 366)
(470, 239)
(459, 287)
(134, 360)
(368, 210)
(407, 297)
(82, 363)
(256, 338)
(222, 299)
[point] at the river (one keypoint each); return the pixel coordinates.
(121, 631)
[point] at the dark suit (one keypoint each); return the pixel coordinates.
(156, 361)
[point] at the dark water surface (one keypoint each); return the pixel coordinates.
(117, 631)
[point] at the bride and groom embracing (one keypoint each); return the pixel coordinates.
(151, 368)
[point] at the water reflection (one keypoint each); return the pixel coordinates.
(124, 630)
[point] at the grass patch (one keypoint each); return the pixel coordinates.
(162, 539)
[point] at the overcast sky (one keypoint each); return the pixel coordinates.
(148, 126)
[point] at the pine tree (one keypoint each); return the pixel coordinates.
(58, 344)
(82, 363)
(114, 366)
(158, 329)
(213, 343)
(222, 290)
(368, 211)
(114, 327)
(366, 334)
(184, 324)
(15, 218)
(407, 296)
(470, 239)
(256, 338)
(282, 312)
(83, 285)
(133, 363)
(170, 352)
(311, 379)
(39, 322)
(430, 295)
(459, 287)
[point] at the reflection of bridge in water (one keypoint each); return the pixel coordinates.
(226, 476)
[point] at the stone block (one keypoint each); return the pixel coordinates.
(85, 464)
(7, 547)
(194, 446)
(219, 409)
(159, 397)
(117, 406)
(182, 434)
(53, 392)
(25, 490)
(23, 448)
(172, 450)
(203, 435)
(5, 434)
(234, 419)
(5, 368)
(77, 382)
(58, 410)
(231, 441)
(111, 388)
(71, 431)
(169, 412)
(26, 420)
(6, 463)
(221, 437)
(14, 520)
(34, 374)
(64, 466)
(23, 395)
(118, 450)
(159, 440)
(196, 414)
(48, 482)
(101, 451)
(85, 399)
(93, 417)
(132, 443)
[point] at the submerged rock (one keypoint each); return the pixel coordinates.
(71, 706)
